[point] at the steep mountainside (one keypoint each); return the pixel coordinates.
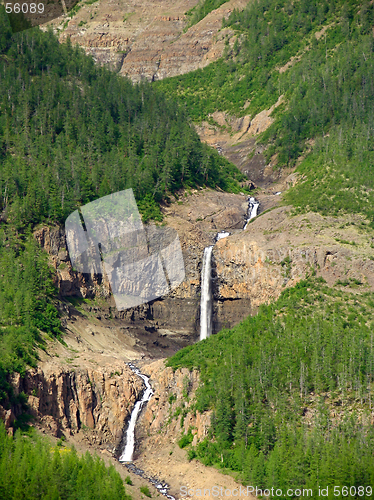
(282, 394)
(70, 133)
(147, 40)
(310, 64)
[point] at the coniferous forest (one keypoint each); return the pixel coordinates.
(71, 132)
(291, 391)
(291, 388)
(31, 468)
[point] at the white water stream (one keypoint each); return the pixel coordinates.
(130, 434)
(253, 205)
(128, 452)
(206, 312)
(206, 301)
(221, 235)
(206, 308)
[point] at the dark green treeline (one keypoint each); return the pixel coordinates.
(291, 391)
(30, 468)
(71, 132)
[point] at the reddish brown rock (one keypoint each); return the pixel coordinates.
(171, 390)
(147, 40)
(277, 250)
(94, 401)
(7, 416)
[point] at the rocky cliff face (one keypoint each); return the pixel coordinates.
(93, 401)
(197, 218)
(166, 418)
(277, 250)
(236, 139)
(68, 281)
(146, 39)
(168, 412)
(250, 267)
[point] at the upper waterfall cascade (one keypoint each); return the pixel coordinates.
(206, 301)
(206, 308)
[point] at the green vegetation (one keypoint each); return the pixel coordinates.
(145, 491)
(202, 9)
(31, 469)
(128, 480)
(327, 93)
(338, 174)
(172, 398)
(270, 33)
(186, 439)
(26, 305)
(71, 132)
(291, 390)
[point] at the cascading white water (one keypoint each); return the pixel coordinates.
(206, 295)
(130, 434)
(253, 205)
(221, 235)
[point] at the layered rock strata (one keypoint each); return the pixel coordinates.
(249, 267)
(94, 401)
(277, 250)
(196, 218)
(146, 39)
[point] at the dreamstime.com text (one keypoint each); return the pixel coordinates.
(250, 491)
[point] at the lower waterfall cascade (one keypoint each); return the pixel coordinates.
(128, 452)
(253, 205)
(127, 455)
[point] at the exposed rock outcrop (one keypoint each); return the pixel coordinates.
(250, 267)
(167, 416)
(8, 417)
(147, 40)
(168, 413)
(277, 250)
(68, 281)
(235, 138)
(196, 218)
(94, 401)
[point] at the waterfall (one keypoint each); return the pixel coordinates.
(130, 434)
(127, 454)
(206, 301)
(253, 205)
(221, 235)
(206, 308)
